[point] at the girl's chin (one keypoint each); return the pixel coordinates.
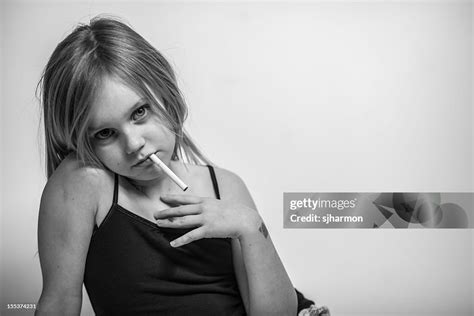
(146, 172)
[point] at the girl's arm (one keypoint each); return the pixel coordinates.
(66, 220)
(264, 284)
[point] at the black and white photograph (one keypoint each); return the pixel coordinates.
(304, 158)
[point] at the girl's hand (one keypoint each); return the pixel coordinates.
(212, 218)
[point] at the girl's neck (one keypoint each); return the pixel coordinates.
(160, 185)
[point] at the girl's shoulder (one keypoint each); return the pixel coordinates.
(71, 177)
(232, 187)
(71, 170)
(229, 183)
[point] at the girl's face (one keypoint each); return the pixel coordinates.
(125, 129)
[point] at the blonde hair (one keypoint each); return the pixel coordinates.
(106, 47)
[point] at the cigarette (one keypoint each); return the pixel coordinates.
(168, 171)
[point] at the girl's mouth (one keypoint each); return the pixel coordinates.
(146, 161)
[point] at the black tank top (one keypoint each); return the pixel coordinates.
(131, 269)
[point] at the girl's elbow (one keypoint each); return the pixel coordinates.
(58, 304)
(292, 304)
(285, 307)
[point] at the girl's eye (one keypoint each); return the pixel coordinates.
(103, 134)
(140, 112)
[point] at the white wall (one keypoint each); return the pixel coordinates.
(313, 96)
(2, 19)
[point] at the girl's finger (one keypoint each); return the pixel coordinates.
(191, 236)
(181, 199)
(178, 211)
(180, 222)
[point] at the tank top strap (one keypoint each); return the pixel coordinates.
(214, 181)
(115, 189)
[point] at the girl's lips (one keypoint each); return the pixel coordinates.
(145, 162)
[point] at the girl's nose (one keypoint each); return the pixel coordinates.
(133, 142)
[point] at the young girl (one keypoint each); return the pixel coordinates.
(111, 219)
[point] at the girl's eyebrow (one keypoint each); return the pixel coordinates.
(127, 114)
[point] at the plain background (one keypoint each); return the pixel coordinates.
(309, 96)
